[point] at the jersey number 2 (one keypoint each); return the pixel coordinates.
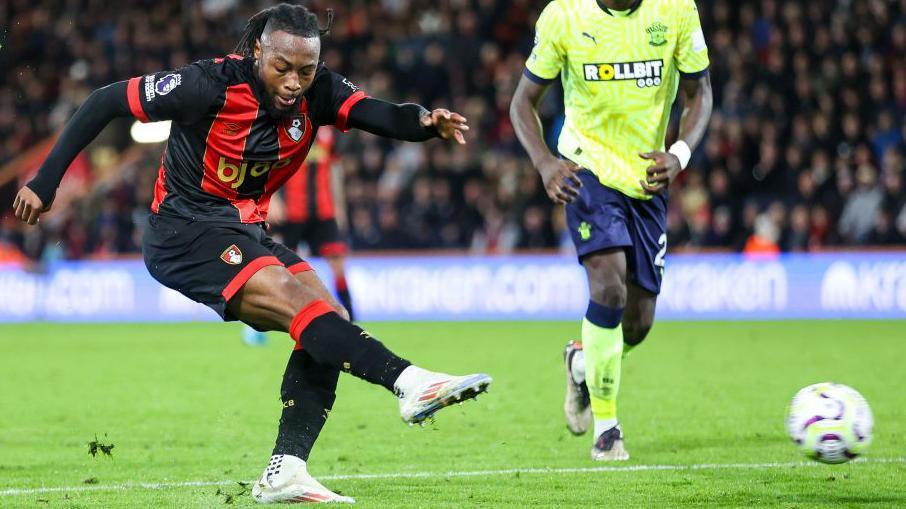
(659, 257)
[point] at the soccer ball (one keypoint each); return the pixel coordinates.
(830, 422)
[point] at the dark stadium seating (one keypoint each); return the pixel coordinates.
(805, 151)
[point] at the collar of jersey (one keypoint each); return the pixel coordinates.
(632, 9)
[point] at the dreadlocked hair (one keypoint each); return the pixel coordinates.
(293, 19)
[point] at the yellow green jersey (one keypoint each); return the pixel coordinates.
(620, 74)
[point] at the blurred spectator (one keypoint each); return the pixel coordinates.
(764, 240)
(797, 236)
(862, 206)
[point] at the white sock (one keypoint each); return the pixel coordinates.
(602, 425)
(409, 377)
(577, 367)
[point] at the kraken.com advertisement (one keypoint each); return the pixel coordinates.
(536, 287)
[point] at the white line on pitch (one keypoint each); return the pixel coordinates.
(474, 473)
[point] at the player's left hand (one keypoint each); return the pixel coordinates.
(28, 207)
(664, 168)
(449, 124)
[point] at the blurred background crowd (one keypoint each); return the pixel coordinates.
(806, 150)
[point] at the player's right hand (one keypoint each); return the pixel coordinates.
(28, 207)
(560, 179)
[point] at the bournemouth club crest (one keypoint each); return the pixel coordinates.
(232, 255)
(295, 127)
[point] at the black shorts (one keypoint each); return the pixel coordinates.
(209, 262)
(321, 235)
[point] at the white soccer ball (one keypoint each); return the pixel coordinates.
(831, 423)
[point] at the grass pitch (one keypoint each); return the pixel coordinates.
(190, 409)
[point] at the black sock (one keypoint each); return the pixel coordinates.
(343, 295)
(308, 393)
(333, 341)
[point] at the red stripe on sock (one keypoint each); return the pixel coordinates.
(340, 283)
(304, 318)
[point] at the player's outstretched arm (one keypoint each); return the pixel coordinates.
(407, 122)
(665, 166)
(102, 106)
(559, 175)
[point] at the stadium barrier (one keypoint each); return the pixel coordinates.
(522, 287)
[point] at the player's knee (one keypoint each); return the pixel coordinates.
(291, 295)
(607, 284)
(611, 294)
(636, 330)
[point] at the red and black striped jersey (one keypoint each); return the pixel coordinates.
(226, 156)
(309, 193)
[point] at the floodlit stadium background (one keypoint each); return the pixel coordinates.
(806, 155)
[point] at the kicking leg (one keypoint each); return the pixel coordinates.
(273, 299)
(310, 279)
(325, 344)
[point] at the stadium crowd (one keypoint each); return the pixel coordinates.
(806, 150)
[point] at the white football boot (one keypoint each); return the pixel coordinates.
(422, 393)
(286, 480)
(577, 407)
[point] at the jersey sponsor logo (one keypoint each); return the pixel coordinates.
(149, 88)
(657, 34)
(295, 127)
(235, 173)
(232, 255)
(166, 84)
(648, 73)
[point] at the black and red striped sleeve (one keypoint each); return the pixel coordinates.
(184, 95)
(331, 97)
(101, 107)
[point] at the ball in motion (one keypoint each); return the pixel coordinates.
(830, 423)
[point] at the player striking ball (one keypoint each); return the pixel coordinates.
(242, 125)
(621, 63)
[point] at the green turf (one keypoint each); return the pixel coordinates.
(191, 403)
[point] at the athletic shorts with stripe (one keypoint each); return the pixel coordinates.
(209, 262)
